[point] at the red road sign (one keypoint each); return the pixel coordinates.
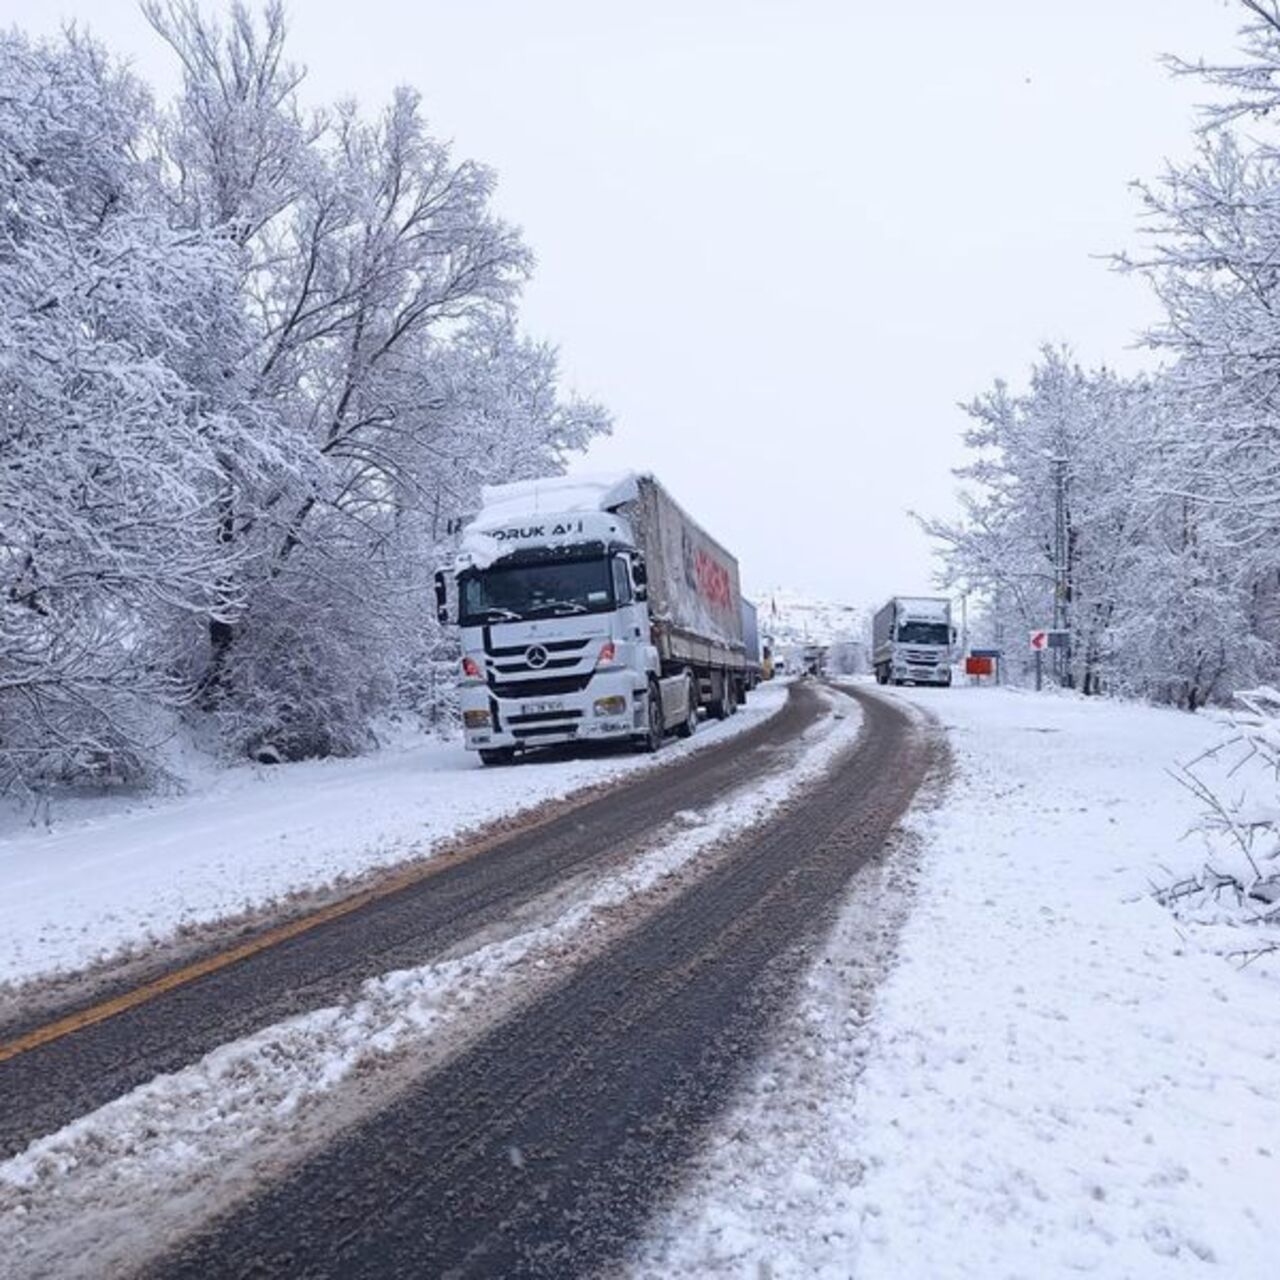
(979, 666)
(1039, 641)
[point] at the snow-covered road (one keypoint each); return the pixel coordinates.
(115, 876)
(197, 1139)
(1054, 1079)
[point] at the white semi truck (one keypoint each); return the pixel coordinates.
(912, 641)
(591, 610)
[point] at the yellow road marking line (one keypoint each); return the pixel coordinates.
(59, 1028)
(101, 1012)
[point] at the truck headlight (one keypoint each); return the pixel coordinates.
(614, 706)
(475, 719)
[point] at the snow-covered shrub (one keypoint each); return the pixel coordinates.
(307, 682)
(1237, 882)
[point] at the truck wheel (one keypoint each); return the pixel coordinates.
(652, 741)
(690, 724)
(723, 708)
(497, 755)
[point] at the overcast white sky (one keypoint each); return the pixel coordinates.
(781, 240)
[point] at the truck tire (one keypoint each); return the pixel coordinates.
(652, 740)
(689, 725)
(497, 755)
(723, 708)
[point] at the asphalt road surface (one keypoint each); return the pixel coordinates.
(44, 1088)
(544, 1147)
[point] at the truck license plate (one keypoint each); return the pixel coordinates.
(542, 708)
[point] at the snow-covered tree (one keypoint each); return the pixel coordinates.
(254, 364)
(1153, 597)
(381, 289)
(111, 452)
(1214, 262)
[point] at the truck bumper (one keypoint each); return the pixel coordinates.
(923, 675)
(610, 708)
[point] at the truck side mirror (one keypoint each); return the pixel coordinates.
(953, 635)
(442, 599)
(640, 578)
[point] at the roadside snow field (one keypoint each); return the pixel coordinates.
(115, 875)
(189, 1143)
(1052, 1080)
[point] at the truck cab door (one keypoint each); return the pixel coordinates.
(631, 587)
(628, 598)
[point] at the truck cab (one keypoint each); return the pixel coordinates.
(913, 641)
(555, 633)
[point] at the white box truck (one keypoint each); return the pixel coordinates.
(591, 610)
(912, 641)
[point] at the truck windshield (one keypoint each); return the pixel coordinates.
(510, 593)
(924, 633)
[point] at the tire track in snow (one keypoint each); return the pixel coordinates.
(204, 1136)
(542, 1148)
(49, 1086)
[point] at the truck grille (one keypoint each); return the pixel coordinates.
(551, 664)
(552, 646)
(921, 658)
(511, 660)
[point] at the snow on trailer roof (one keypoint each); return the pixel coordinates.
(555, 495)
(925, 607)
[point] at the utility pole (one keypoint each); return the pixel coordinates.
(997, 607)
(1061, 579)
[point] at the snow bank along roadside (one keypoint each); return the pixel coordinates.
(192, 1142)
(1052, 1079)
(137, 873)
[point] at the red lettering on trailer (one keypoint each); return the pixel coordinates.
(713, 580)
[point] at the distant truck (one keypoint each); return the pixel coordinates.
(592, 610)
(751, 644)
(912, 641)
